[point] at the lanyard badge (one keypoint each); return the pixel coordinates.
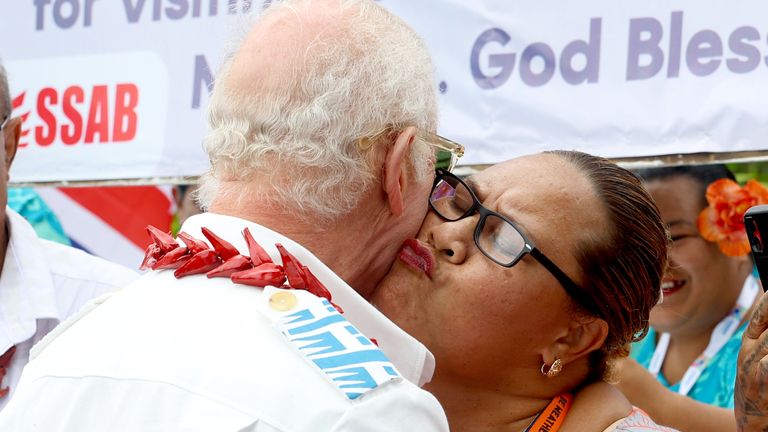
(720, 336)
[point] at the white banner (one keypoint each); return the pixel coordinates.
(114, 89)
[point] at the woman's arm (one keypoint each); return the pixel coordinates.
(669, 408)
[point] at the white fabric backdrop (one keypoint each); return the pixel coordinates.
(116, 88)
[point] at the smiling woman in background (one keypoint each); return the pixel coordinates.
(526, 282)
(709, 292)
(696, 332)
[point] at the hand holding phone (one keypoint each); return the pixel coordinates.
(756, 224)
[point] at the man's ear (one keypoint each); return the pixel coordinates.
(581, 337)
(395, 175)
(12, 134)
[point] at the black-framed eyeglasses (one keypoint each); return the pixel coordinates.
(4, 122)
(497, 237)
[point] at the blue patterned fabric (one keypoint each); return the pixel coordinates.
(715, 386)
(27, 203)
(351, 361)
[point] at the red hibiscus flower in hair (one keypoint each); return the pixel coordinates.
(723, 220)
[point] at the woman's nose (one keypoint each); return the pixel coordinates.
(454, 240)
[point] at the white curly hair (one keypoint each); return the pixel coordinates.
(371, 72)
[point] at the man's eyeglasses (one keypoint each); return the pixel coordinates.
(5, 122)
(447, 152)
(497, 237)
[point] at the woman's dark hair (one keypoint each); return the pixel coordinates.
(702, 174)
(624, 267)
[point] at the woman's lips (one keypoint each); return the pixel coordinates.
(671, 286)
(417, 256)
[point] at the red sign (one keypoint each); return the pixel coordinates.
(82, 115)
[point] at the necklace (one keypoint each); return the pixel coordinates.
(552, 417)
(222, 259)
(720, 336)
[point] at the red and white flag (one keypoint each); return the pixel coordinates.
(109, 221)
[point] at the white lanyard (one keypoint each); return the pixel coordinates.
(720, 335)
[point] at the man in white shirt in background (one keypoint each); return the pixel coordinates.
(322, 139)
(41, 282)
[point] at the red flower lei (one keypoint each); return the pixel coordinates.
(222, 259)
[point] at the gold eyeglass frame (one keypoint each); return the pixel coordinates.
(455, 149)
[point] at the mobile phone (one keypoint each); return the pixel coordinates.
(756, 224)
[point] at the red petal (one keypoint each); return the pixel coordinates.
(707, 225)
(734, 248)
(292, 268)
(339, 309)
(722, 190)
(151, 255)
(261, 276)
(223, 247)
(757, 190)
(192, 243)
(162, 239)
(233, 265)
(173, 259)
(201, 262)
(257, 253)
(314, 285)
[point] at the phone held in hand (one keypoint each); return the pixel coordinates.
(756, 224)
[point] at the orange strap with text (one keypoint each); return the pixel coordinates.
(553, 415)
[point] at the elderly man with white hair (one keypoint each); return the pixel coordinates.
(322, 150)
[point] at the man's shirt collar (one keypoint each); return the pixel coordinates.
(409, 356)
(26, 288)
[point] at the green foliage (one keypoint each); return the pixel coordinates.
(443, 159)
(750, 170)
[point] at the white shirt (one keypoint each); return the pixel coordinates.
(198, 354)
(42, 283)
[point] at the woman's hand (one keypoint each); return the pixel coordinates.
(751, 393)
(669, 408)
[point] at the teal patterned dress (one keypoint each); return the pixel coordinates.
(715, 386)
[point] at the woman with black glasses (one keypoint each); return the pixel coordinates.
(526, 282)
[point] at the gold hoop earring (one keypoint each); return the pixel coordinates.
(553, 370)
